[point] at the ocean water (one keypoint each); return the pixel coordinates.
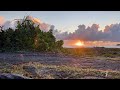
(92, 47)
(91, 44)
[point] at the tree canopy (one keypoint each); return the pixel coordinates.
(28, 36)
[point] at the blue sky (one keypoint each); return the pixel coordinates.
(68, 20)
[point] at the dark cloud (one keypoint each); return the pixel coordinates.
(52, 27)
(91, 33)
(113, 32)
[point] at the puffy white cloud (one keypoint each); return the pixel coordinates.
(12, 24)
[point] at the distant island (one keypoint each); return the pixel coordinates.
(118, 45)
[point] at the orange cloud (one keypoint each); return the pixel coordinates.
(2, 20)
(37, 20)
(43, 26)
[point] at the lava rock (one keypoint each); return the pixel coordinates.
(12, 76)
(30, 69)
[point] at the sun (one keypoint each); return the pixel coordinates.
(79, 43)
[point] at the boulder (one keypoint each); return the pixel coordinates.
(30, 69)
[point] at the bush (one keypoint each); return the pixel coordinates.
(27, 37)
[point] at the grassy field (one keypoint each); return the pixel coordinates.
(91, 52)
(81, 63)
(37, 70)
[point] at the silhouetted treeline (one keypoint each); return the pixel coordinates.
(29, 37)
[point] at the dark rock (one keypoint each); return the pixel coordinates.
(92, 77)
(118, 45)
(12, 76)
(30, 69)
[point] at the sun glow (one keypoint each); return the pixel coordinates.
(79, 43)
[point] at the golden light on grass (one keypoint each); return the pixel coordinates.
(79, 43)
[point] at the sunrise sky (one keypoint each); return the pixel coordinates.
(76, 28)
(68, 20)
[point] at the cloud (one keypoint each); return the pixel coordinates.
(42, 25)
(86, 33)
(10, 24)
(7, 24)
(91, 33)
(52, 27)
(35, 20)
(45, 27)
(113, 32)
(2, 20)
